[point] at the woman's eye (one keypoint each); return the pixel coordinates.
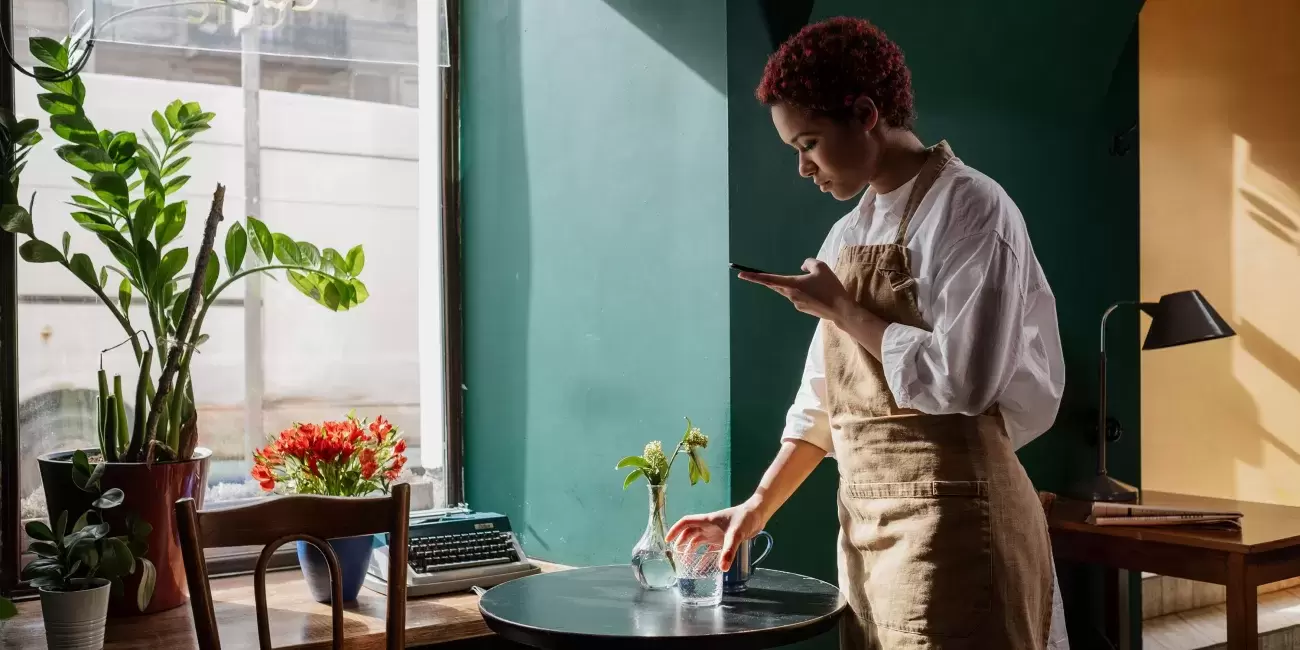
(808, 145)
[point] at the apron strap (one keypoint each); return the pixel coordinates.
(939, 157)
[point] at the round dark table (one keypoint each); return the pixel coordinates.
(604, 607)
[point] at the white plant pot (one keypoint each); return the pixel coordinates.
(74, 620)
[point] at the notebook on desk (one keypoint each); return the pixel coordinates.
(452, 551)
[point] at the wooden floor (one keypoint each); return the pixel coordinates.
(1206, 627)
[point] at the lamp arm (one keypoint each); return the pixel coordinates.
(1101, 373)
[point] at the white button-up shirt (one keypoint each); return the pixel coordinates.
(994, 337)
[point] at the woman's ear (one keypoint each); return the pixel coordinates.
(864, 111)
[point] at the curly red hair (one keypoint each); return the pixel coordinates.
(828, 65)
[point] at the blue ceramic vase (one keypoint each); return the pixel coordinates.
(354, 560)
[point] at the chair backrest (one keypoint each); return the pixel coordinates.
(279, 520)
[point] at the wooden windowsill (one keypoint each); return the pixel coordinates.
(297, 621)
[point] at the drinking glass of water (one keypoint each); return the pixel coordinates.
(699, 578)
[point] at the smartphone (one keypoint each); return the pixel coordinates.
(746, 269)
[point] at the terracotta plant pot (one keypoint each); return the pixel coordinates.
(151, 492)
(74, 620)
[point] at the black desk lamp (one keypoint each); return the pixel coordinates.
(1178, 319)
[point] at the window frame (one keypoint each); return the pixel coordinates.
(239, 562)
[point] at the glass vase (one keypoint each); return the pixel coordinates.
(652, 557)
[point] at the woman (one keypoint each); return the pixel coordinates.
(936, 356)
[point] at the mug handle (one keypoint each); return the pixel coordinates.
(770, 544)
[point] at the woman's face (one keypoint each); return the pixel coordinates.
(838, 155)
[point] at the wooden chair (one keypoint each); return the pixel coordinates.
(278, 521)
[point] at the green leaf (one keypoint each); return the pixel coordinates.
(303, 284)
(7, 609)
(96, 474)
(88, 202)
(54, 81)
(17, 220)
(148, 259)
(146, 216)
(236, 247)
(58, 104)
(262, 240)
(632, 461)
(50, 52)
(191, 111)
(211, 274)
(140, 529)
(174, 185)
(332, 297)
(37, 529)
(84, 269)
(82, 521)
(286, 249)
(177, 310)
(123, 146)
(110, 187)
(67, 242)
(359, 289)
(174, 114)
(175, 166)
(95, 223)
(172, 223)
(148, 578)
(115, 558)
(85, 157)
(36, 251)
(160, 124)
(75, 128)
(43, 549)
(96, 531)
(632, 477)
(78, 89)
(308, 254)
(147, 161)
(172, 263)
(110, 499)
(124, 295)
(62, 524)
(356, 260)
(335, 263)
(90, 557)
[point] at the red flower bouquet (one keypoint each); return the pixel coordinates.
(351, 458)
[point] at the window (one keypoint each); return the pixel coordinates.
(347, 98)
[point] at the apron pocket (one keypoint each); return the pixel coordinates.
(926, 555)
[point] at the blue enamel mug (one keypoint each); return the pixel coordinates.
(742, 567)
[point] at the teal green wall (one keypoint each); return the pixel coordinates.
(1024, 91)
(595, 238)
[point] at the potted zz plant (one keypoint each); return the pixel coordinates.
(351, 458)
(652, 557)
(130, 206)
(78, 567)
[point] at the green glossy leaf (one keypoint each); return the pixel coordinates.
(103, 277)
(84, 269)
(171, 224)
(37, 529)
(177, 310)
(88, 202)
(78, 89)
(331, 297)
(123, 146)
(75, 128)
(81, 522)
(356, 260)
(110, 187)
(148, 260)
(359, 289)
(7, 609)
(174, 185)
(303, 284)
(160, 124)
(94, 223)
(61, 525)
(54, 81)
(286, 249)
(58, 104)
(632, 461)
(174, 114)
(67, 242)
(124, 295)
(110, 499)
(172, 263)
(96, 531)
(334, 262)
(96, 475)
(43, 549)
(191, 111)
(211, 275)
(308, 254)
(142, 224)
(148, 579)
(16, 219)
(636, 473)
(90, 557)
(236, 247)
(50, 52)
(87, 158)
(36, 251)
(115, 558)
(262, 240)
(175, 166)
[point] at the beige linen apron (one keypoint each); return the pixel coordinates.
(943, 542)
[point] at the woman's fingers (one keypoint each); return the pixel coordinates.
(729, 544)
(685, 524)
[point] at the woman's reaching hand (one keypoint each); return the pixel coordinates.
(728, 527)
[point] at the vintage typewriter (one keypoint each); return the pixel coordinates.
(454, 550)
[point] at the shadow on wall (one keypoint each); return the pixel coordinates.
(497, 294)
(670, 24)
(1220, 212)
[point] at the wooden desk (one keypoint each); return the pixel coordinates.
(297, 621)
(1267, 549)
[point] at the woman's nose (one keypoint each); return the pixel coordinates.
(806, 167)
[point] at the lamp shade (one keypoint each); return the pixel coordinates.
(1181, 318)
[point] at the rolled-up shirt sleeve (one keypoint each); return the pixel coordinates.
(808, 419)
(965, 363)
